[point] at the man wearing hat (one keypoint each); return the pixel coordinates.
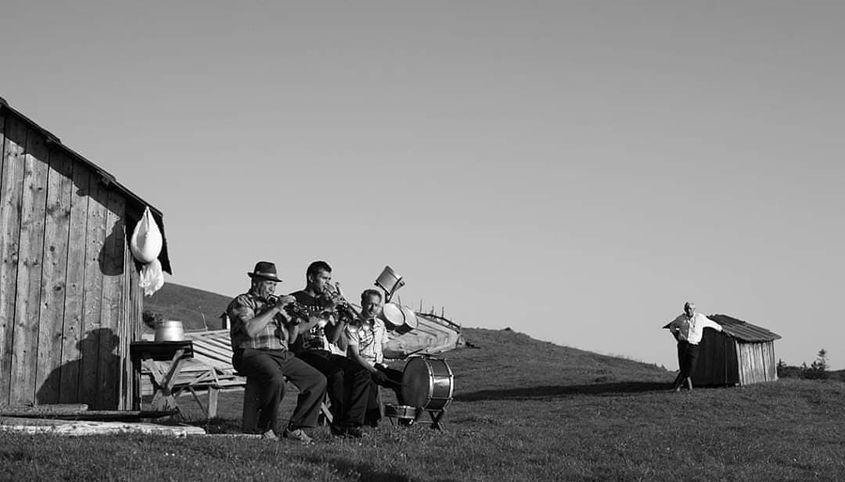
(260, 331)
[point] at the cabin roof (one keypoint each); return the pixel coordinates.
(742, 330)
(108, 179)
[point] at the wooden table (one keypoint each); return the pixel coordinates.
(145, 353)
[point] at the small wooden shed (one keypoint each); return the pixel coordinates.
(69, 297)
(742, 354)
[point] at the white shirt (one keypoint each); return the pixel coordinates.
(369, 336)
(692, 329)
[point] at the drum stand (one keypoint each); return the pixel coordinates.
(435, 415)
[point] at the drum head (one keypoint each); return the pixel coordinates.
(392, 314)
(410, 317)
(416, 383)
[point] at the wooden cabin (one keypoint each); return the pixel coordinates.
(70, 302)
(742, 354)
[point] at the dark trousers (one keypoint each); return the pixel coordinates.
(270, 368)
(687, 357)
(348, 385)
(393, 382)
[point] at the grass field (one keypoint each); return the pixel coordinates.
(523, 409)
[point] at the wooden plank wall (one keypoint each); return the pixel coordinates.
(710, 361)
(30, 258)
(72, 330)
(757, 362)
(108, 370)
(54, 272)
(716, 362)
(133, 331)
(67, 312)
(739, 363)
(14, 143)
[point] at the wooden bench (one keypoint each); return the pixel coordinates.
(251, 403)
(211, 371)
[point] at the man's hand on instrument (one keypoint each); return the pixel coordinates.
(284, 301)
(317, 320)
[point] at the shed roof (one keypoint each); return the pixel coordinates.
(742, 330)
(108, 179)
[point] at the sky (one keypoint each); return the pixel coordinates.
(571, 170)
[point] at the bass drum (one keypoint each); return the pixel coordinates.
(427, 383)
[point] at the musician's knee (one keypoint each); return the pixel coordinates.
(275, 381)
(319, 383)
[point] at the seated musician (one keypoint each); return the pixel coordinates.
(260, 331)
(313, 340)
(366, 336)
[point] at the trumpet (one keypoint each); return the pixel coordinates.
(341, 304)
(295, 310)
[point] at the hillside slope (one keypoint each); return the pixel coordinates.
(196, 309)
(513, 364)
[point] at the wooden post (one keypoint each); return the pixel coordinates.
(212, 402)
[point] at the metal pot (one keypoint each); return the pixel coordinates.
(170, 330)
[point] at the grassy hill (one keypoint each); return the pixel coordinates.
(509, 363)
(523, 409)
(196, 309)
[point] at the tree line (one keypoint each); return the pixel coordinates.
(817, 370)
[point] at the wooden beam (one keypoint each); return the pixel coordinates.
(77, 427)
(136, 306)
(126, 368)
(45, 410)
(79, 412)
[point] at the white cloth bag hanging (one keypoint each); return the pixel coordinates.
(146, 245)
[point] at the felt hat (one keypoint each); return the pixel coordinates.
(265, 270)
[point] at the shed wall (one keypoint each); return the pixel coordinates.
(717, 364)
(67, 307)
(756, 362)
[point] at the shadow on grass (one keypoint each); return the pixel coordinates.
(532, 393)
(361, 471)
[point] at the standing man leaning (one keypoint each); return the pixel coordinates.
(260, 330)
(688, 329)
(315, 340)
